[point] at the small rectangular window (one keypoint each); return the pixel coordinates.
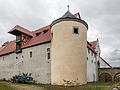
(88, 50)
(16, 57)
(52, 34)
(75, 30)
(3, 58)
(91, 61)
(95, 55)
(95, 62)
(87, 58)
(48, 49)
(92, 53)
(48, 53)
(30, 54)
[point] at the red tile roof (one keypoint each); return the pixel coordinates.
(93, 44)
(1, 48)
(9, 48)
(41, 29)
(77, 15)
(36, 39)
(41, 38)
(21, 29)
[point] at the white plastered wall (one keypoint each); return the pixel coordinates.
(38, 65)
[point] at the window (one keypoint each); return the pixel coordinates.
(95, 62)
(95, 55)
(91, 61)
(98, 64)
(92, 53)
(16, 57)
(37, 34)
(52, 34)
(22, 56)
(48, 53)
(45, 31)
(31, 54)
(3, 58)
(88, 50)
(48, 49)
(75, 30)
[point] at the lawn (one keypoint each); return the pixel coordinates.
(89, 86)
(5, 85)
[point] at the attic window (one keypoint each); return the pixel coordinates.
(45, 31)
(75, 30)
(38, 34)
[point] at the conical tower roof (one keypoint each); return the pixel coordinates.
(69, 17)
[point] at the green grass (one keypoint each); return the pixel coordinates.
(89, 86)
(5, 85)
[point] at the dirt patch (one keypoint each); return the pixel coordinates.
(26, 87)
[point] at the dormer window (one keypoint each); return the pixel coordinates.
(75, 30)
(45, 31)
(37, 34)
(22, 37)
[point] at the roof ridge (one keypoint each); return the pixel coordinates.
(21, 29)
(40, 29)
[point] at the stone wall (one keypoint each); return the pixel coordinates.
(109, 74)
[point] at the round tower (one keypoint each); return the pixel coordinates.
(69, 51)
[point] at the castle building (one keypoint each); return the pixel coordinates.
(56, 54)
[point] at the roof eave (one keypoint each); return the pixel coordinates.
(69, 19)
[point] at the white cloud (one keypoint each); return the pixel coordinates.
(102, 17)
